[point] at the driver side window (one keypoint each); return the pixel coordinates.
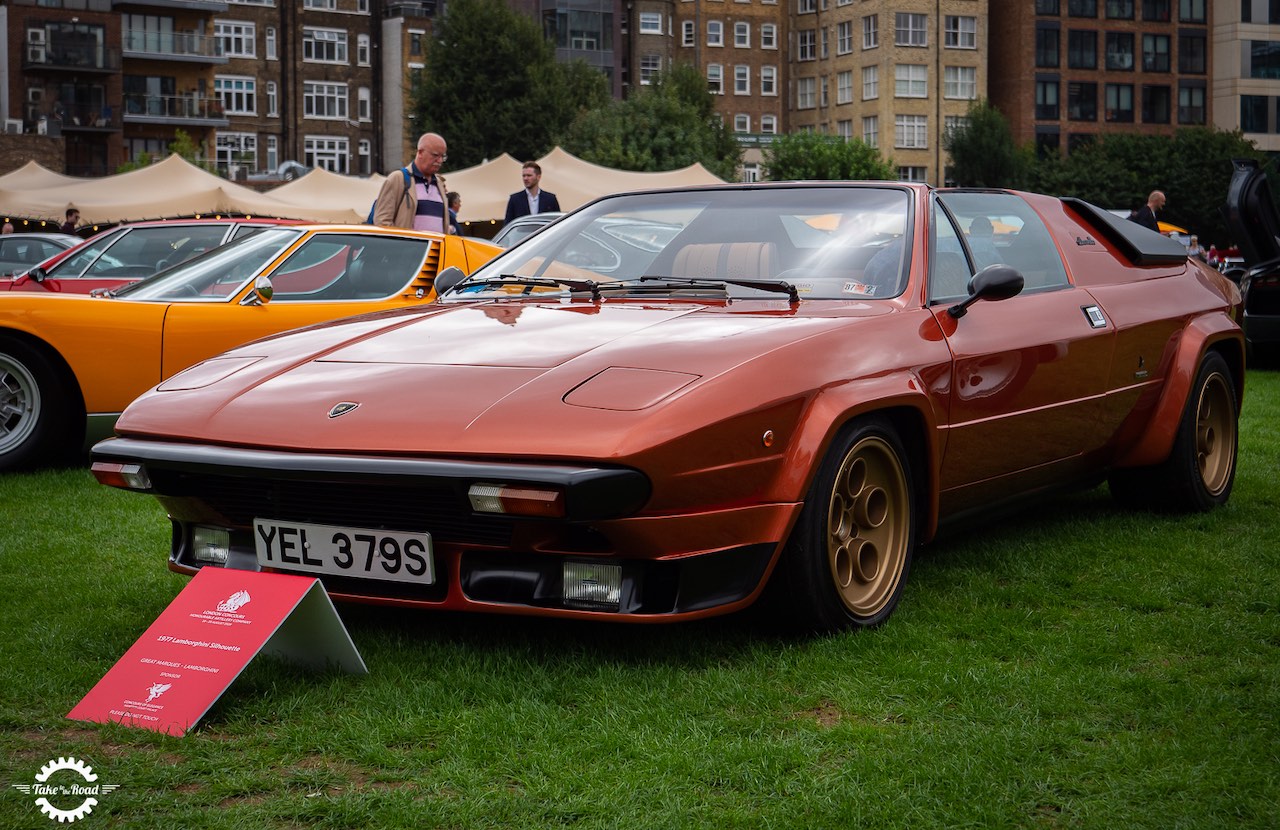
(948, 269)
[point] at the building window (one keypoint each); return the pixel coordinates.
(742, 80)
(270, 42)
(844, 129)
(366, 156)
(687, 33)
(324, 100)
(1191, 11)
(806, 6)
(1047, 47)
(912, 174)
(715, 79)
(742, 123)
(750, 173)
(240, 149)
(823, 99)
(768, 80)
(715, 33)
(1155, 53)
(1082, 8)
(321, 5)
(364, 106)
(650, 65)
(1120, 50)
(806, 44)
(1156, 104)
(911, 132)
(273, 153)
(1119, 107)
(871, 130)
(742, 35)
(844, 37)
(650, 23)
(1082, 49)
(769, 124)
(1264, 59)
(324, 45)
(911, 29)
(1082, 101)
(910, 80)
(1047, 100)
(273, 100)
(870, 83)
(844, 87)
(960, 82)
(239, 94)
(806, 93)
(768, 36)
(826, 37)
(362, 50)
(1047, 7)
(870, 31)
(326, 152)
(238, 39)
(1120, 9)
(1191, 54)
(1191, 105)
(1155, 10)
(961, 32)
(1253, 113)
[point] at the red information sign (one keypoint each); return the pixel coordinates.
(175, 672)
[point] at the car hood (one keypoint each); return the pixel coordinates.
(497, 378)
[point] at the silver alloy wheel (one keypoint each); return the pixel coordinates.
(19, 403)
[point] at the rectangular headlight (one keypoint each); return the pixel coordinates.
(211, 545)
(593, 585)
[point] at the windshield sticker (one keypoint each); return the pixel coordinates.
(852, 287)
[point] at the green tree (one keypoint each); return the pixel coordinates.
(982, 150)
(809, 156)
(183, 144)
(670, 124)
(491, 85)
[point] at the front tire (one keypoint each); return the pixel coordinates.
(1200, 470)
(848, 558)
(33, 407)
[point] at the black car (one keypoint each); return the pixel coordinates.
(1254, 224)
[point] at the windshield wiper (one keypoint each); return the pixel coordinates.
(534, 282)
(776, 286)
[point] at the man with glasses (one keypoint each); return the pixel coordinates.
(416, 197)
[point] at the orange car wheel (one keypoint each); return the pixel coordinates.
(32, 406)
(849, 556)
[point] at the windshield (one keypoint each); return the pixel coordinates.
(217, 274)
(837, 242)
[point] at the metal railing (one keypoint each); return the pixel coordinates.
(172, 44)
(172, 106)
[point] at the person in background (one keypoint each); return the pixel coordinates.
(1194, 249)
(8, 227)
(455, 205)
(1148, 216)
(533, 199)
(414, 196)
(69, 226)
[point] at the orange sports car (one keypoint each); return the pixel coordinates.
(668, 403)
(70, 363)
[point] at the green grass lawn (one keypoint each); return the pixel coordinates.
(1075, 666)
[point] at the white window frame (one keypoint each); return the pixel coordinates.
(364, 50)
(913, 174)
(273, 99)
(742, 123)
(870, 82)
(715, 78)
(239, 94)
(270, 44)
(910, 29)
(911, 132)
(742, 35)
(871, 31)
(961, 32)
(650, 65)
(325, 46)
(806, 93)
(741, 79)
(228, 145)
(364, 104)
(688, 33)
(844, 129)
(844, 37)
(768, 80)
(768, 36)
(715, 33)
(844, 87)
(650, 23)
(910, 80)
(960, 83)
(327, 152)
(325, 101)
(807, 45)
(768, 123)
(321, 5)
(239, 38)
(871, 130)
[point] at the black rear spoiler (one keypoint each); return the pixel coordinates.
(1142, 246)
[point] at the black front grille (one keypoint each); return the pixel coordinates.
(414, 507)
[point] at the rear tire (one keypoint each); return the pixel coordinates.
(1200, 470)
(33, 408)
(847, 561)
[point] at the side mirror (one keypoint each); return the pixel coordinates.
(995, 282)
(448, 278)
(262, 292)
(37, 274)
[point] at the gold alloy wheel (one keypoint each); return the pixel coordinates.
(868, 526)
(1215, 433)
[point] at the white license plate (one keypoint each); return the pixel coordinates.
(344, 551)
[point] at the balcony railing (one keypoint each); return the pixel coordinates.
(79, 57)
(172, 45)
(138, 106)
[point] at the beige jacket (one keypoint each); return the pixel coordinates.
(396, 205)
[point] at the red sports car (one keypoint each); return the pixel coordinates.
(668, 403)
